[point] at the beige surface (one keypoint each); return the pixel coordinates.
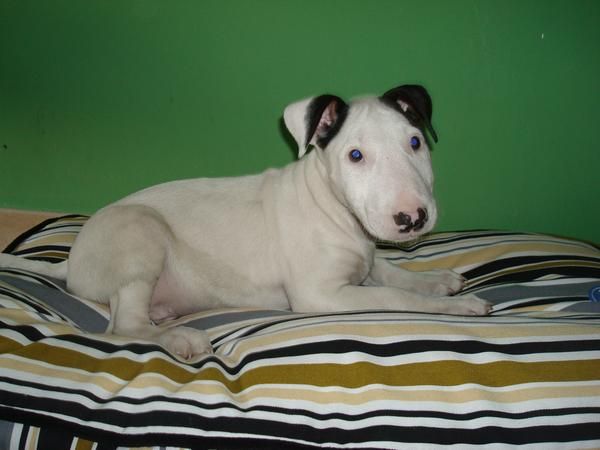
(13, 222)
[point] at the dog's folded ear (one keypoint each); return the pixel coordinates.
(315, 121)
(414, 102)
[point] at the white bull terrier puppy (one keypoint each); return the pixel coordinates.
(301, 237)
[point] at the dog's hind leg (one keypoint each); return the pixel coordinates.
(129, 308)
(118, 258)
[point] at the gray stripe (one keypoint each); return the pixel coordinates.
(86, 318)
(229, 318)
(6, 430)
(505, 292)
(564, 292)
(588, 307)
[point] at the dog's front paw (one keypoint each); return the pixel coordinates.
(441, 282)
(186, 344)
(470, 305)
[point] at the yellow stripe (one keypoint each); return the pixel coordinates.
(485, 330)
(355, 375)
(376, 392)
(297, 393)
(82, 444)
(32, 438)
(242, 394)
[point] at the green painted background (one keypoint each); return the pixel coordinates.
(99, 98)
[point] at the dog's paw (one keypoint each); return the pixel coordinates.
(440, 282)
(469, 305)
(186, 344)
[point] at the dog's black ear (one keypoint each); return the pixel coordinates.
(325, 117)
(414, 102)
(315, 121)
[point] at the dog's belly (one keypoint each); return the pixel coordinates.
(179, 293)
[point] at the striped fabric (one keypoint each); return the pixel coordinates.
(528, 375)
(51, 240)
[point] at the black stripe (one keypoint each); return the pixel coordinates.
(524, 275)
(42, 248)
(341, 346)
(110, 348)
(521, 262)
(31, 333)
(39, 227)
(248, 330)
(53, 438)
(110, 440)
(483, 435)
(267, 428)
(108, 415)
(23, 437)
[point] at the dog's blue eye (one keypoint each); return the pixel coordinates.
(355, 155)
(415, 143)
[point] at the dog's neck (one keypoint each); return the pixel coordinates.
(313, 177)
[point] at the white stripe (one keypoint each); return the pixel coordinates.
(188, 392)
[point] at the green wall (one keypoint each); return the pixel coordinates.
(99, 98)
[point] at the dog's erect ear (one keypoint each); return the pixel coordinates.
(414, 103)
(315, 121)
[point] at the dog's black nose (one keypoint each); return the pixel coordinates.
(411, 221)
(421, 220)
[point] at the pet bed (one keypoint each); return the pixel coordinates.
(527, 375)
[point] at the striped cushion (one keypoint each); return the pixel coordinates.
(51, 240)
(528, 374)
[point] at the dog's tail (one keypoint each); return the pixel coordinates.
(54, 270)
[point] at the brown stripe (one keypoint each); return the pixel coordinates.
(82, 444)
(440, 373)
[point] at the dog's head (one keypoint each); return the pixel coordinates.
(377, 156)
